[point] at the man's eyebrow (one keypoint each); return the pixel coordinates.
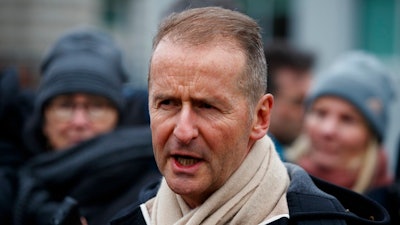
(211, 99)
(162, 96)
(205, 100)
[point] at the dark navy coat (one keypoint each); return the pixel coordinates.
(94, 179)
(311, 202)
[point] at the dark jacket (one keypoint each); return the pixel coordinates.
(310, 201)
(94, 179)
(15, 106)
(389, 195)
(7, 194)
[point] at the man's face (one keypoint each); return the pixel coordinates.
(72, 118)
(200, 118)
(288, 111)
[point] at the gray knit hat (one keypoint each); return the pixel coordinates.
(83, 60)
(362, 80)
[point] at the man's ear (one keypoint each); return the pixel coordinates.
(262, 116)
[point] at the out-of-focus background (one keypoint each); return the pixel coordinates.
(327, 28)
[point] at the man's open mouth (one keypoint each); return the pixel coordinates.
(186, 161)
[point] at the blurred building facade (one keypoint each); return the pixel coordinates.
(328, 28)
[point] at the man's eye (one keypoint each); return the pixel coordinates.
(205, 106)
(298, 101)
(165, 102)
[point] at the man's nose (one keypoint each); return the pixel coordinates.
(185, 128)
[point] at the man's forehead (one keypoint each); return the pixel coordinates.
(188, 54)
(224, 42)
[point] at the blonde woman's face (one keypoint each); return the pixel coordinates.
(338, 133)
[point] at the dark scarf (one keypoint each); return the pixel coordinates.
(99, 174)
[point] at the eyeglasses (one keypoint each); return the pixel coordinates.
(62, 108)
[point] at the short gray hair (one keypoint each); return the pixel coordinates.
(204, 25)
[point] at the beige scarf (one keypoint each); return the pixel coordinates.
(256, 192)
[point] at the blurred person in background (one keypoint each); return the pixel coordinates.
(15, 108)
(289, 77)
(345, 124)
(86, 163)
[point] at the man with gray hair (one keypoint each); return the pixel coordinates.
(209, 118)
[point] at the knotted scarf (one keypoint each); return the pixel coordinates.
(256, 192)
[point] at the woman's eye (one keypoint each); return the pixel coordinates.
(348, 119)
(318, 113)
(99, 105)
(65, 105)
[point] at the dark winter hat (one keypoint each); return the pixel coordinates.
(360, 79)
(83, 60)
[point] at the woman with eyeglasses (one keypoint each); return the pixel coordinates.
(85, 165)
